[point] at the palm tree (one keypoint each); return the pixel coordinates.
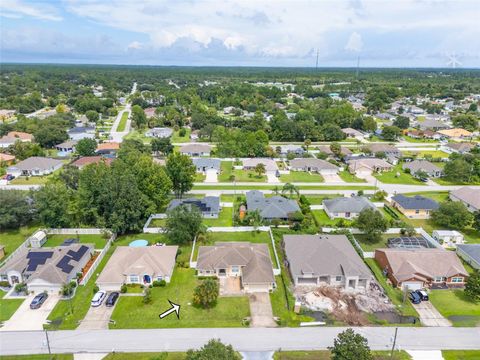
(276, 190)
(290, 189)
(307, 143)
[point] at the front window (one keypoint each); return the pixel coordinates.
(338, 278)
(439, 279)
(235, 269)
(134, 279)
(417, 211)
(457, 280)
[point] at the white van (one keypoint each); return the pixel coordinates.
(98, 298)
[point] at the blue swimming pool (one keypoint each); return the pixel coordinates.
(138, 243)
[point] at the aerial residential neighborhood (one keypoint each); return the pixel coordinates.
(198, 180)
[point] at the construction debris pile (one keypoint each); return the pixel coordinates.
(346, 306)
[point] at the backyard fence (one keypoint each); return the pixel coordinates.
(153, 230)
(97, 261)
(75, 231)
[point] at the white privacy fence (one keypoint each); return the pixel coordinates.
(97, 261)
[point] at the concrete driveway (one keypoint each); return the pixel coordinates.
(429, 316)
(272, 178)
(97, 318)
(332, 178)
(261, 310)
(28, 319)
(211, 176)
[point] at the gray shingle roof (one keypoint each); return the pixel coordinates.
(323, 255)
(207, 163)
(354, 204)
(472, 250)
(415, 202)
(275, 207)
(37, 162)
(421, 165)
(209, 204)
(468, 195)
(318, 164)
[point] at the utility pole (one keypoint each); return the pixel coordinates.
(394, 342)
(48, 343)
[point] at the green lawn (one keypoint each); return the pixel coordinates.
(461, 354)
(472, 236)
(56, 240)
(426, 153)
(138, 135)
(413, 140)
(130, 312)
(157, 223)
(227, 171)
(368, 245)
(229, 197)
(8, 306)
(12, 239)
(325, 355)
(346, 176)
(394, 294)
(318, 199)
(176, 138)
(123, 122)
(146, 356)
(323, 219)
(267, 186)
(443, 181)
(454, 303)
(390, 177)
(224, 218)
(32, 180)
(199, 177)
(301, 176)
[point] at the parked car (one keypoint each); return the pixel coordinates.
(112, 299)
(98, 298)
(423, 295)
(415, 298)
(38, 301)
(8, 177)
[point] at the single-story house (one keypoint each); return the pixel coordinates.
(35, 166)
(325, 259)
(107, 148)
(275, 207)
(315, 165)
(344, 151)
(6, 114)
(457, 133)
(432, 124)
(470, 197)
(67, 146)
(352, 133)
(209, 206)
(388, 150)
(470, 253)
(159, 132)
(46, 269)
(424, 134)
(448, 238)
(460, 148)
(22, 136)
(419, 268)
(362, 167)
(346, 207)
(270, 164)
(425, 166)
(204, 165)
(87, 160)
(138, 265)
(291, 149)
(81, 132)
(249, 263)
(6, 141)
(6, 159)
(149, 112)
(196, 150)
(414, 207)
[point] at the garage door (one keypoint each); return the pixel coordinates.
(307, 281)
(412, 285)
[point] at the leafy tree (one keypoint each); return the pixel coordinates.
(336, 148)
(50, 135)
(86, 147)
(15, 210)
(70, 175)
(139, 119)
(291, 190)
(369, 124)
(254, 219)
(181, 171)
(349, 345)
(391, 133)
(206, 294)
(466, 121)
(163, 145)
(332, 132)
(24, 150)
(92, 116)
(458, 170)
(183, 224)
(402, 122)
(214, 349)
(307, 143)
(472, 287)
(452, 214)
(372, 222)
(260, 169)
(52, 205)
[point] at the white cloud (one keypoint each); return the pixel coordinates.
(135, 45)
(354, 43)
(39, 10)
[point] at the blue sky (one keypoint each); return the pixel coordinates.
(383, 33)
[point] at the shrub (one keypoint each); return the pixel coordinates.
(147, 296)
(21, 288)
(4, 284)
(123, 288)
(159, 283)
(95, 289)
(182, 132)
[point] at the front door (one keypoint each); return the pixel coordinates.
(222, 272)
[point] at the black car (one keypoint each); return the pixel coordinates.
(38, 300)
(112, 299)
(423, 295)
(415, 298)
